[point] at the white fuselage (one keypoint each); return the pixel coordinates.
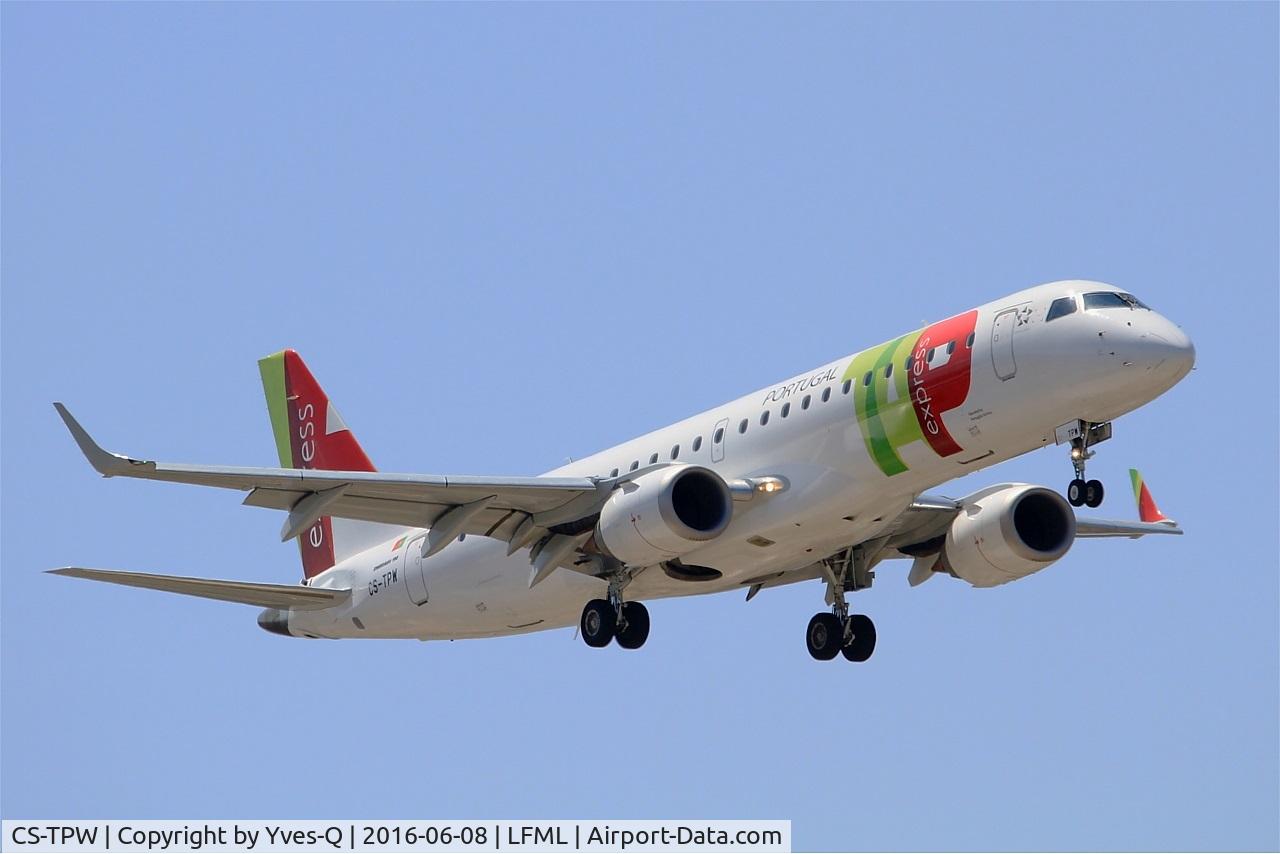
(849, 471)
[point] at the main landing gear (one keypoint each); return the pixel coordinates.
(604, 620)
(838, 632)
(1080, 491)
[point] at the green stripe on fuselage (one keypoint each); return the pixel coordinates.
(886, 425)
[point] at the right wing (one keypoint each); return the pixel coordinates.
(921, 527)
(282, 596)
(510, 508)
(1088, 526)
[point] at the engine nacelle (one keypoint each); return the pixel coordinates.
(664, 514)
(1008, 532)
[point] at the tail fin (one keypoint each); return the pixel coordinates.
(1147, 509)
(310, 434)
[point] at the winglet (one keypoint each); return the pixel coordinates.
(106, 463)
(1147, 509)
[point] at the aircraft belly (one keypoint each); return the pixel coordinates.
(474, 589)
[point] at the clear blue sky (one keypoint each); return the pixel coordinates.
(502, 235)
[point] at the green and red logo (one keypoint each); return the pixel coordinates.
(1147, 509)
(310, 434)
(903, 388)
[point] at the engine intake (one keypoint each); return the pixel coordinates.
(1008, 532)
(664, 514)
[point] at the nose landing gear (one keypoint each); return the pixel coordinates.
(1083, 434)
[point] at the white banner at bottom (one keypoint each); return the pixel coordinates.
(332, 837)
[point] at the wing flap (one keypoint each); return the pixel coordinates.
(283, 596)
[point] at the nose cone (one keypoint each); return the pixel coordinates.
(1166, 350)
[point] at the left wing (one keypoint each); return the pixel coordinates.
(509, 508)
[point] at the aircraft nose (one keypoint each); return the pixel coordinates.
(1166, 349)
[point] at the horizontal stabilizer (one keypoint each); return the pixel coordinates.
(281, 596)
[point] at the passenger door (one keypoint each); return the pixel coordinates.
(1002, 344)
(415, 572)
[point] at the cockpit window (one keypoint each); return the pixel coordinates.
(1061, 307)
(1111, 299)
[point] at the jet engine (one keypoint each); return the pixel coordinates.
(664, 514)
(1008, 532)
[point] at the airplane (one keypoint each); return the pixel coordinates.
(821, 476)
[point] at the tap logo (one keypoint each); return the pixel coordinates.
(297, 406)
(317, 542)
(903, 388)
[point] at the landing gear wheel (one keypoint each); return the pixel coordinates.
(1076, 491)
(597, 623)
(1093, 493)
(636, 631)
(863, 642)
(825, 636)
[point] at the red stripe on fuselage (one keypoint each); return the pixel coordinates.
(937, 390)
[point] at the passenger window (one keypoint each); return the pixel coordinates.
(866, 378)
(804, 404)
(697, 444)
(764, 418)
(1104, 299)
(675, 451)
(742, 426)
(653, 459)
(613, 473)
(719, 435)
(888, 370)
(826, 394)
(848, 384)
(635, 464)
(786, 410)
(1061, 307)
(928, 356)
(951, 347)
(968, 342)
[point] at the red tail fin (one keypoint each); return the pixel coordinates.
(310, 434)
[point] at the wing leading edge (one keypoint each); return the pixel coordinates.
(499, 506)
